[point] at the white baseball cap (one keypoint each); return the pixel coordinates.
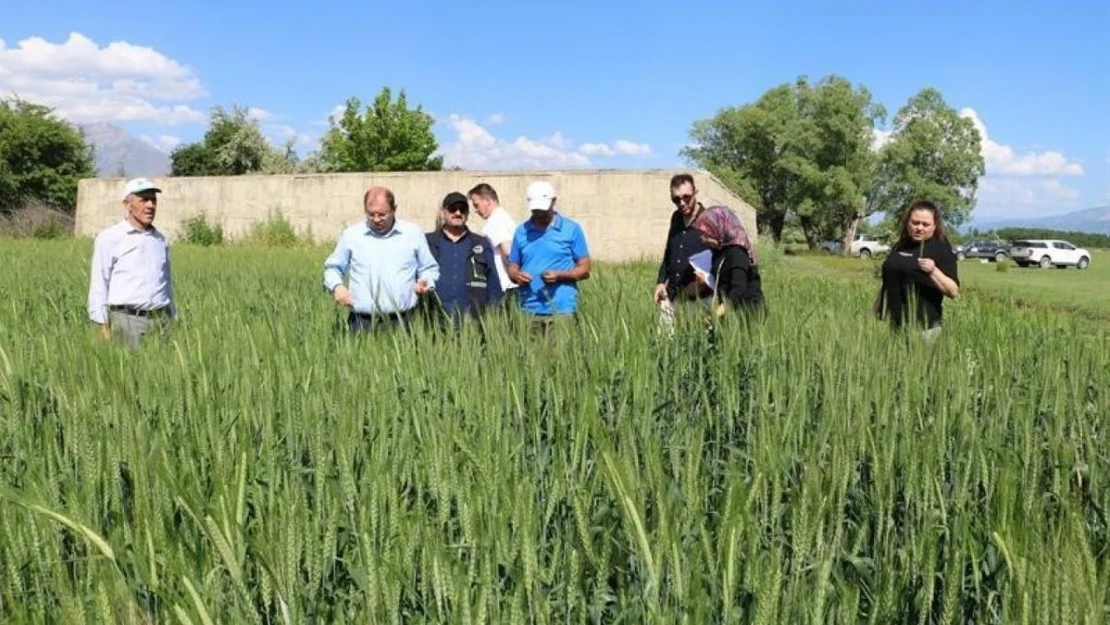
(138, 185)
(540, 193)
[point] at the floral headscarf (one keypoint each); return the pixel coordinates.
(723, 225)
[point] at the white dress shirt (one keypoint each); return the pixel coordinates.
(130, 267)
(499, 228)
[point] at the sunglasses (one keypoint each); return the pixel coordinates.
(682, 199)
(458, 208)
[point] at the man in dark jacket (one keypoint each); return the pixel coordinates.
(468, 283)
(676, 285)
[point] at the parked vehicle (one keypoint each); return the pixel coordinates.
(865, 246)
(1049, 253)
(991, 249)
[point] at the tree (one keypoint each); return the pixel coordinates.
(233, 145)
(388, 136)
(42, 158)
(831, 155)
(934, 154)
(746, 147)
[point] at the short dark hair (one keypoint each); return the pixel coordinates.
(680, 179)
(483, 189)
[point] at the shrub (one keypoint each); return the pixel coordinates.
(36, 221)
(276, 231)
(199, 232)
(1003, 265)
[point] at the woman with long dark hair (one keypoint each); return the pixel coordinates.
(919, 272)
(738, 284)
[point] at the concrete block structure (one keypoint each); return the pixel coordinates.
(624, 212)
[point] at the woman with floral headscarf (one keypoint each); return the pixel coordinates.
(738, 285)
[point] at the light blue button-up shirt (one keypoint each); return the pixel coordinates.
(383, 268)
(130, 267)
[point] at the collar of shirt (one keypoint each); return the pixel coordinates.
(393, 230)
(556, 224)
(467, 233)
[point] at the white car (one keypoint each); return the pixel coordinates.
(1049, 253)
(864, 246)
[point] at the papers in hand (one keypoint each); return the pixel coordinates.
(703, 266)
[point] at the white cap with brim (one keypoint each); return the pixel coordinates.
(540, 194)
(138, 185)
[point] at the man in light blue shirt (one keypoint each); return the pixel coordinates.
(130, 284)
(388, 262)
(548, 258)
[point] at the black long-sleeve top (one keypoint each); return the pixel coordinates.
(738, 280)
(682, 242)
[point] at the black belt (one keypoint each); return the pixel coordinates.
(137, 312)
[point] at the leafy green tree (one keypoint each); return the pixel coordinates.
(934, 154)
(233, 145)
(746, 148)
(387, 136)
(831, 155)
(42, 158)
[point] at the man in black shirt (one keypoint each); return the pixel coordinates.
(676, 284)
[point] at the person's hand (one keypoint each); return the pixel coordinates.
(551, 277)
(660, 293)
(104, 332)
(522, 277)
(421, 287)
(700, 278)
(342, 296)
(928, 265)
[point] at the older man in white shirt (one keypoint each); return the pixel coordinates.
(130, 284)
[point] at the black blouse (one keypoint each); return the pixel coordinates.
(738, 280)
(904, 281)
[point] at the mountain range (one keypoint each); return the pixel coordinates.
(1094, 220)
(120, 153)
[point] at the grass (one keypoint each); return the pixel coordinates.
(259, 467)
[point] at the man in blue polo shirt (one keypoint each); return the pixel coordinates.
(468, 281)
(548, 258)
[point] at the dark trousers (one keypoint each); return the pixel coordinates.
(361, 322)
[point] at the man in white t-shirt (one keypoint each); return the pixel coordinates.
(499, 228)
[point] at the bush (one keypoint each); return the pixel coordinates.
(199, 232)
(276, 231)
(1003, 265)
(36, 221)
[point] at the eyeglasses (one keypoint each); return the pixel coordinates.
(458, 208)
(682, 199)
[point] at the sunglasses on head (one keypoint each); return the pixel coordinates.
(681, 199)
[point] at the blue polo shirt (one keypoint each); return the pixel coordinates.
(557, 248)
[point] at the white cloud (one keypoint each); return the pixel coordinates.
(85, 82)
(879, 138)
(162, 143)
(496, 119)
(1003, 160)
(260, 115)
(1009, 192)
(475, 147)
(301, 140)
(336, 112)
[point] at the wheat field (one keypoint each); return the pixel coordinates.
(260, 467)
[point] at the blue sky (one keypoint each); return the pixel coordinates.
(613, 85)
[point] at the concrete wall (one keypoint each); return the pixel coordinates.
(624, 212)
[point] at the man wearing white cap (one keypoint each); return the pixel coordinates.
(548, 258)
(130, 288)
